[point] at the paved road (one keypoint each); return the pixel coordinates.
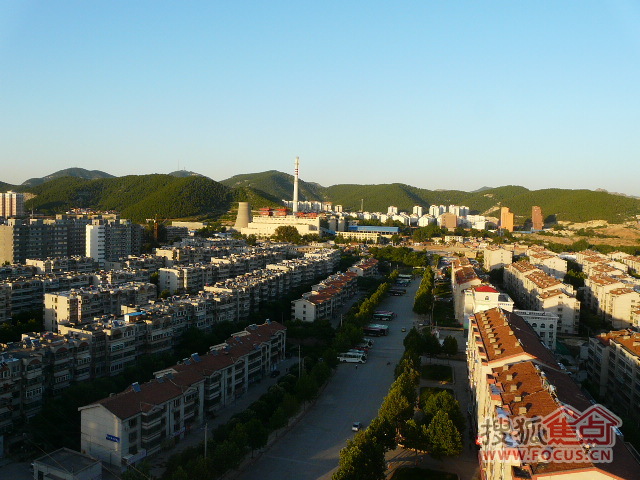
(310, 450)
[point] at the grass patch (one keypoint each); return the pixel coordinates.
(438, 373)
(416, 473)
(426, 392)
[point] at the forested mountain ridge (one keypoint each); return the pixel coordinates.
(68, 172)
(137, 197)
(169, 196)
(564, 204)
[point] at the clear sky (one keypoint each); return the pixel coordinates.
(436, 94)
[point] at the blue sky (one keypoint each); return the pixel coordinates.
(431, 93)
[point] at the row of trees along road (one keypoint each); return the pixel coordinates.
(433, 425)
(250, 430)
(424, 296)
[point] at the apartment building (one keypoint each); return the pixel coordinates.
(38, 364)
(496, 257)
(596, 289)
(631, 261)
(549, 263)
(21, 239)
(5, 303)
(506, 219)
(10, 272)
(11, 204)
(27, 294)
(545, 324)
(193, 278)
(513, 376)
(117, 428)
(325, 299)
(481, 298)
(614, 369)
(367, 267)
(537, 220)
(463, 277)
(117, 277)
(61, 265)
(109, 240)
(21, 387)
(448, 220)
(80, 306)
(536, 290)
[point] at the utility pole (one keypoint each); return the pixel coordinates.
(299, 363)
(206, 427)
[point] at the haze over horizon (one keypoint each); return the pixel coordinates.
(435, 95)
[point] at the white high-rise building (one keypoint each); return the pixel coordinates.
(11, 204)
(108, 241)
(417, 210)
(392, 210)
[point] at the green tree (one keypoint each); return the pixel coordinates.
(361, 459)
(138, 472)
(444, 402)
(306, 387)
(384, 432)
(431, 343)
(226, 456)
(178, 474)
(415, 436)
(450, 346)
(279, 419)
(258, 434)
(287, 233)
(444, 439)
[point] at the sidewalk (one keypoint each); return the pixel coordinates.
(196, 436)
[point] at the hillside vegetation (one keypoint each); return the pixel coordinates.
(137, 197)
(68, 172)
(184, 194)
(563, 204)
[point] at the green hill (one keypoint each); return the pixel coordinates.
(275, 185)
(136, 196)
(564, 204)
(68, 172)
(169, 196)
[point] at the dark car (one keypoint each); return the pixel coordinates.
(275, 374)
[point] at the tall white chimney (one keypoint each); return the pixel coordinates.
(295, 186)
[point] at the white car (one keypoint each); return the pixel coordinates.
(356, 426)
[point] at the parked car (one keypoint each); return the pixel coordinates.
(356, 426)
(275, 373)
(404, 329)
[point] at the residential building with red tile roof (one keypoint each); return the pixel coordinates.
(179, 398)
(513, 377)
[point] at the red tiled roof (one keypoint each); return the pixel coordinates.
(129, 402)
(485, 289)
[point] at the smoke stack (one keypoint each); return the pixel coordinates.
(295, 186)
(244, 216)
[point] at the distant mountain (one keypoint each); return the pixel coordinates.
(275, 185)
(68, 172)
(185, 173)
(137, 197)
(564, 204)
(185, 194)
(4, 187)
